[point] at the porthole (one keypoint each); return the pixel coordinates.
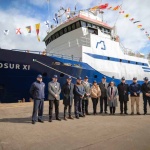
(44, 74)
(61, 75)
(95, 76)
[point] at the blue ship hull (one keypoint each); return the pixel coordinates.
(18, 71)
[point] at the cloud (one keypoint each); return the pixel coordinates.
(24, 41)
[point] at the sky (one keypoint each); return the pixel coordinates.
(21, 13)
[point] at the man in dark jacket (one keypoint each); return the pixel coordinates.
(54, 91)
(146, 94)
(85, 101)
(103, 99)
(123, 89)
(67, 91)
(37, 91)
(135, 90)
(78, 96)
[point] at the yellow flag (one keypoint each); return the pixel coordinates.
(127, 15)
(37, 26)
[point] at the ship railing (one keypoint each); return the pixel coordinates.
(70, 57)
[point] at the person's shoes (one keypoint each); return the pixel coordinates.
(106, 112)
(83, 115)
(65, 118)
(40, 121)
(33, 122)
(88, 114)
(145, 113)
(113, 113)
(80, 115)
(77, 117)
(132, 113)
(50, 119)
(70, 117)
(126, 113)
(101, 112)
(110, 114)
(138, 113)
(58, 119)
(121, 113)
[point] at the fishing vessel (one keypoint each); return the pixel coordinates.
(82, 45)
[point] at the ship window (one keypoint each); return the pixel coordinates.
(95, 76)
(136, 63)
(69, 28)
(89, 24)
(93, 31)
(83, 24)
(57, 34)
(53, 37)
(65, 30)
(128, 61)
(94, 26)
(143, 64)
(61, 75)
(108, 58)
(120, 60)
(78, 24)
(73, 26)
(61, 32)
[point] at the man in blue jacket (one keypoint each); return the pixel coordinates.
(37, 91)
(146, 93)
(135, 90)
(79, 92)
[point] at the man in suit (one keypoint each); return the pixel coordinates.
(79, 92)
(135, 90)
(103, 99)
(123, 89)
(67, 91)
(85, 101)
(146, 93)
(37, 91)
(54, 91)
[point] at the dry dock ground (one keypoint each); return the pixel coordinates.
(101, 132)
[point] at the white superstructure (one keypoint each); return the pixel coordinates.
(97, 44)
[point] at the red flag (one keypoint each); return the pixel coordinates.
(103, 6)
(121, 12)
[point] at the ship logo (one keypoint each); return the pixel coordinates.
(101, 44)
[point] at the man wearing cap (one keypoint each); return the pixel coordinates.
(54, 91)
(79, 92)
(85, 101)
(37, 91)
(146, 93)
(103, 99)
(67, 91)
(123, 89)
(135, 90)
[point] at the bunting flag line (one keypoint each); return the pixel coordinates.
(18, 31)
(103, 6)
(116, 8)
(46, 23)
(139, 26)
(109, 7)
(37, 26)
(6, 32)
(121, 12)
(142, 29)
(28, 29)
(136, 21)
(127, 15)
(131, 19)
(94, 8)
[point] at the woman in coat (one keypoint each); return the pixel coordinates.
(95, 94)
(112, 93)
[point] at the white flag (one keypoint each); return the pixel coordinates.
(47, 23)
(6, 32)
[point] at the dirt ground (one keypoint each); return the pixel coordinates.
(101, 132)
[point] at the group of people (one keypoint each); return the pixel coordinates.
(82, 92)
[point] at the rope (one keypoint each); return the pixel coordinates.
(53, 68)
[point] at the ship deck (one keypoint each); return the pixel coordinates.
(89, 133)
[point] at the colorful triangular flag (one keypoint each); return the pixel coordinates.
(139, 26)
(116, 8)
(37, 26)
(127, 15)
(6, 32)
(18, 31)
(47, 23)
(103, 6)
(28, 29)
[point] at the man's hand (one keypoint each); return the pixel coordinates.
(135, 94)
(56, 95)
(108, 98)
